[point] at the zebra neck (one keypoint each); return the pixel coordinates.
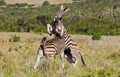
(65, 34)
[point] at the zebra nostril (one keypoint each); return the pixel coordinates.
(50, 34)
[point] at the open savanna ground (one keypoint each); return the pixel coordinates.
(17, 58)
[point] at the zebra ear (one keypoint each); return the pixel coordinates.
(49, 29)
(61, 7)
(66, 9)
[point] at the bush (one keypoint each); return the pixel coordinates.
(14, 38)
(96, 36)
(2, 3)
(43, 19)
(45, 3)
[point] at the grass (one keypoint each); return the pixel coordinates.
(17, 58)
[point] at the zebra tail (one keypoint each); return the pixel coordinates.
(42, 44)
(82, 59)
(43, 40)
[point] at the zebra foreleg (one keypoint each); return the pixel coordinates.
(62, 59)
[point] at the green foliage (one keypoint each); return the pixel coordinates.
(21, 4)
(18, 5)
(45, 3)
(2, 2)
(14, 38)
(43, 19)
(84, 17)
(96, 36)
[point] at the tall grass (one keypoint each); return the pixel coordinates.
(17, 58)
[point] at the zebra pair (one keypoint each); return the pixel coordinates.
(61, 44)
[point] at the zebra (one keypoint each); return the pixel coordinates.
(53, 47)
(58, 29)
(50, 48)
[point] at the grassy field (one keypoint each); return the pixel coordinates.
(17, 58)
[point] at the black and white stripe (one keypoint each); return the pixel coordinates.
(58, 29)
(70, 44)
(50, 48)
(73, 47)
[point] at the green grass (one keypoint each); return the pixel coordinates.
(17, 58)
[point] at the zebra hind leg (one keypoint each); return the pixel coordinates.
(75, 56)
(38, 57)
(68, 56)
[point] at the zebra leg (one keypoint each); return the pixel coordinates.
(75, 53)
(38, 57)
(68, 56)
(74, 57)
(76, 61)
(62, 59)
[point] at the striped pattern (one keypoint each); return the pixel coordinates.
(69, 43)
(50, 48)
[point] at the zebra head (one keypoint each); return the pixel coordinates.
(61, 13)
(57, 26)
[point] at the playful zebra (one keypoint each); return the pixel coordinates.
(53, 47)
(50, 48)
(58, 29)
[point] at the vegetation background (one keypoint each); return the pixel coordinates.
(23, 25)
(85, 17)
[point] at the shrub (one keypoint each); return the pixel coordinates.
(2, 3)
(43, 19)
(96, 36)
(14, 38)
(45, 3)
